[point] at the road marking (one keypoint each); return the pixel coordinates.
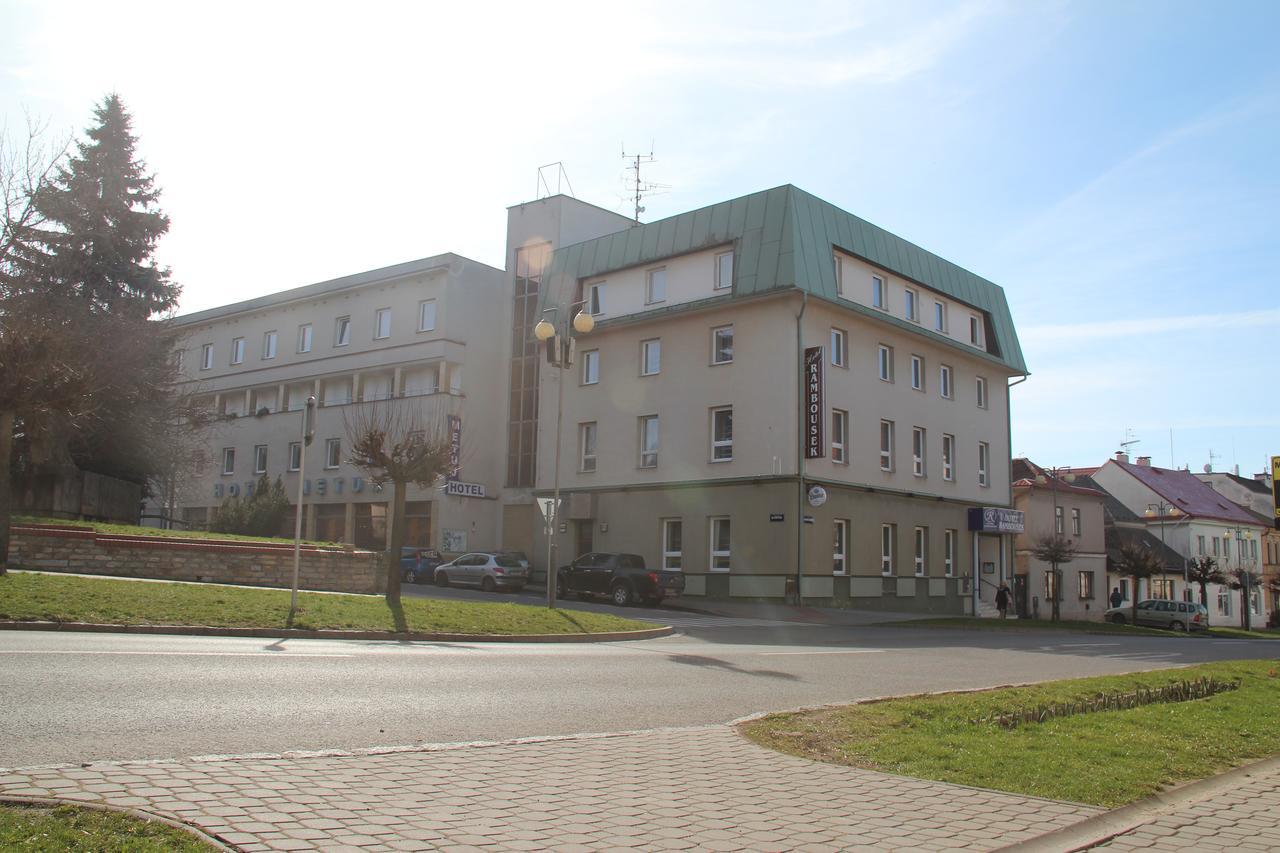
(823, 652)
(1085, 645)
(174, 654)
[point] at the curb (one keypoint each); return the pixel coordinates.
(139, 814)
(1094, 831)
(305, 634)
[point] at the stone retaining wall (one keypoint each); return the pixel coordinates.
(56, 548)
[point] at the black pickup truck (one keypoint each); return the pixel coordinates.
(622, 577)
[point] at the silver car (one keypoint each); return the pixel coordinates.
(1162, 613)
(487, 570)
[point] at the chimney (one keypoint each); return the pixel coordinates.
(1121, 456)
(1144, 461)
(1263, 477)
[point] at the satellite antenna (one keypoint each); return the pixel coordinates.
(560, 176)
(637, 187)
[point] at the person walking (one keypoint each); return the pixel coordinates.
(1002, 599)
(1116, 598)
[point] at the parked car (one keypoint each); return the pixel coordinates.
(622, 577)
(418, 565)
(1163, 613)
(484, 569)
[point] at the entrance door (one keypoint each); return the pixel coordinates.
(1020, 595)
(583, 537)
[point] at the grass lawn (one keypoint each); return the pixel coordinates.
(69, 828)
(973, 624)
(1106, 758)
(63, 598)
(136, 530)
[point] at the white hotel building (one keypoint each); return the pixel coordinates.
(682, 412)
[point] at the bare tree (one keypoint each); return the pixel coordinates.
(1054, 550)
(1204, 571)
(1137, 562)
(1246, 581)
(27, 167)
(398, 442)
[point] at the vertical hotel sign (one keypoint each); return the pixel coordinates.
(455, 448)
(814, 447)
(1275, 490)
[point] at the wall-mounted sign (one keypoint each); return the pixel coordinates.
(989, 519)
(1275, 488)
(808, 519)
(455, 448)
(319, 486)
(777, 516)
(457, 488)
(817, 496)
(814, 447)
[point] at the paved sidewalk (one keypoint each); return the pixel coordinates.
(705, 788)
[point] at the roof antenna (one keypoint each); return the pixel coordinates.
(1208, 469)
(1129, 440)
(640, 188)
(561, 176)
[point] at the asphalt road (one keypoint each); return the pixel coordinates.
(80, 697)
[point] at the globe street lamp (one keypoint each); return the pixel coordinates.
(1163, 511)
(559, 354)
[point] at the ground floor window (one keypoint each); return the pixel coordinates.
(1086, 584)
(371, 526)
(672, 544)
(1050, 585)
(840, 555)
(331, 523)
(720, 539)
(1124, 590)
(949, 552)
(888, 533)
(1224, 601)
(922, 548)
(417, 524)
(1162, 587)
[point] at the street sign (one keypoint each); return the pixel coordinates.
(808, 519)
(777, 516)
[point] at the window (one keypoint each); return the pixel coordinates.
(591, 367)
(206, 357)
(587, 447)
(332, 452)
(724, 270)
(879, 295)
(948, 457)
(948, 552)
(1226, 547)
(839, 435)
(888, 533)
(228, 460)
(944, 381)
(656, 289)
(1161, 587)
(982, 393)
(939, 317)
(840, 550)
(382, 323)
(917, 373)
(650, 357)
(295, 455)
(1075, 522)
(237, 350)
(1057, 520)
(975, 331)
(839, 263)
(1051, 586)
(1086, 584)
(984, 461)
(922, 547)
(427, 315)
(839, 348)
(917, 451)
(720, 542)
(884, 362)
(1215, 546)
(649, 441)
(910, 311)
(886, 445)
(722, 434)
(260, 459)
(342, 332)
(1224, 601)
(304, 338)
(722, 345)
(672, 544)
(269, 345)
(595, 298)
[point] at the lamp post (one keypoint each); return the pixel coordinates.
(1245, 575)
(308, 433)
(1164, 510)
(559, 354)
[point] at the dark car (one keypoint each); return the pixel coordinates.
(418, 565)
(622, 577)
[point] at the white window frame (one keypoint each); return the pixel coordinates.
(715, 348)
(1059, 520)
(917, 372)
(1081, 577)
(839, 436)
(981, 390)
(946, 380)
(260, 459)
(1075, 521)
(984, 463)
(840, 547)
(228, 461)
(975, 330)
(295, 455)
(884, 362)
(672, 558)
(304, 337)
(839, 265)
(886, 445)
(332, 453)
(948, 552)
(652, 295)
(588, 446)
(595, 301)
(381, 324)
(591, 367)
(839, 347)
(342, 331)
(237, 350)
(718, 445)
(716, 554)
(879, 292)
(911, 304)
(427, 315)
(649, 454)
(921, 546)
(651, 345)
(919, 451)
(721, 259)
(206, 357)
(888, 540)
(270, 343)
(940, 317)
(948, 457)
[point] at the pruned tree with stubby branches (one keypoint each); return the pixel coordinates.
(398, 442)
(1245, 581)
(1054, 550)
(1204, 571)
(1137, 562)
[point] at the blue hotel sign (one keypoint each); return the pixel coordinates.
(986, 519)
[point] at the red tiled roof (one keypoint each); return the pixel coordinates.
(1185, 491)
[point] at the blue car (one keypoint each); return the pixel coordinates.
(418, 565)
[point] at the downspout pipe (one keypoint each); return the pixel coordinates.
(800, 424)
(1008, 423)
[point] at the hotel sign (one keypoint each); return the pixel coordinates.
(1275, 489)
(455, 447)
(814, 447)
(457, 488)
(989, 519)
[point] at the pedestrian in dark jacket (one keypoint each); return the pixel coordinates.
(1002, 599)
(1116, 598)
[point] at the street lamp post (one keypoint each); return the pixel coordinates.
(559, 339)
(1245, 576)
(308, 433)
(1163, 510)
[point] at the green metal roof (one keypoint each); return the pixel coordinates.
(783, 238)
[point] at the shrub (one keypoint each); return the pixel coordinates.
(258, 514)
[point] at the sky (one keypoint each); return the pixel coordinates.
(1112, 165)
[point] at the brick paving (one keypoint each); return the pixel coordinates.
(675, 789)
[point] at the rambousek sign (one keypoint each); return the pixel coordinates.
(990, 519)
(814, 447)
(1275, 489)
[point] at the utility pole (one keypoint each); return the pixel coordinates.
(308, 433)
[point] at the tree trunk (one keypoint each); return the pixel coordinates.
(1133, 602)
(6, 485)
(1204, 593)
(1057, 593)
(395, 519)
